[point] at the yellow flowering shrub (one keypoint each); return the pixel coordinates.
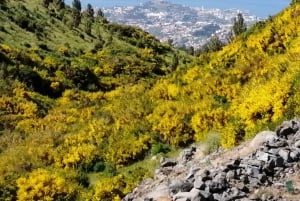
(164, 90)
(126, 147)
(264, 102)
(109, 189)
(44, 185)
(169, 119)
(78, 154)
(50, 62)
(208, 119)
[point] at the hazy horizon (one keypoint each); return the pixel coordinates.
(257, 7)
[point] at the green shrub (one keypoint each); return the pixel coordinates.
(98, 46)
(2, 29)
(110, 169)
(83, 179)
(160, 148)
(44, 47)
(83, 79)
(7, 193)
(99, 166)
(289, 186)
(212, 143)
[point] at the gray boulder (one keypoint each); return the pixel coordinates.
(193, 195)
(278, 162)
(277, 143)
(206, 196)
(294, 155)
(192, 173)
(186, 155)
(261, 138)
(287, 128)
(285, 154)
(262, 156)
(199, 184)
(180, 186)
(160, 191)
(296, 137)
(297, 144)
(166, 162)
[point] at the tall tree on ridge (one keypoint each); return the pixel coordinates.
(46, 3)
(59, 3)
(76, 13)
(90, 12)
(294, 2)
(239, 25)
(100, 13)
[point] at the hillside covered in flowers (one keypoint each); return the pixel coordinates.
(84, 102)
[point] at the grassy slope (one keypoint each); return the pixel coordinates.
(47, 33)
(72, 103)
(97, 129)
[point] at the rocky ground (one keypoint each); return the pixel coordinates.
(266, 168)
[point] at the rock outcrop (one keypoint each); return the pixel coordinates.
(261, 170)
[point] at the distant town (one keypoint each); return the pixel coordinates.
(183, 25)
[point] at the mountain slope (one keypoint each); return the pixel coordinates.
(51, 40)
(65, 118)
(250, 84)
(77, 120)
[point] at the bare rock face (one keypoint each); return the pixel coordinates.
(260, 139)
(268, 161)
(287, 128)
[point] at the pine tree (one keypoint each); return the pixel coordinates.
(100, 13)
(239, 25)
(46, 3)
(90, 12)
(60, 4)
(3, 71)
(212, 45)
(100, 17)
(294, 2)
(191, 50)
(175, 62)
(76, 13)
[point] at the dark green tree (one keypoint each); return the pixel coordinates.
(191, 50)
(46, 3)
(76, 13)
(90, 12)
(294, 2)
(170, 41)
(239, 25)
(100, 13)
(76, 5)
(175, 62)
(212, 45)
(3, 71)
(100, 17)
(60, 4)
(88, 26)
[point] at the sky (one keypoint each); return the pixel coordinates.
(260, 8)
